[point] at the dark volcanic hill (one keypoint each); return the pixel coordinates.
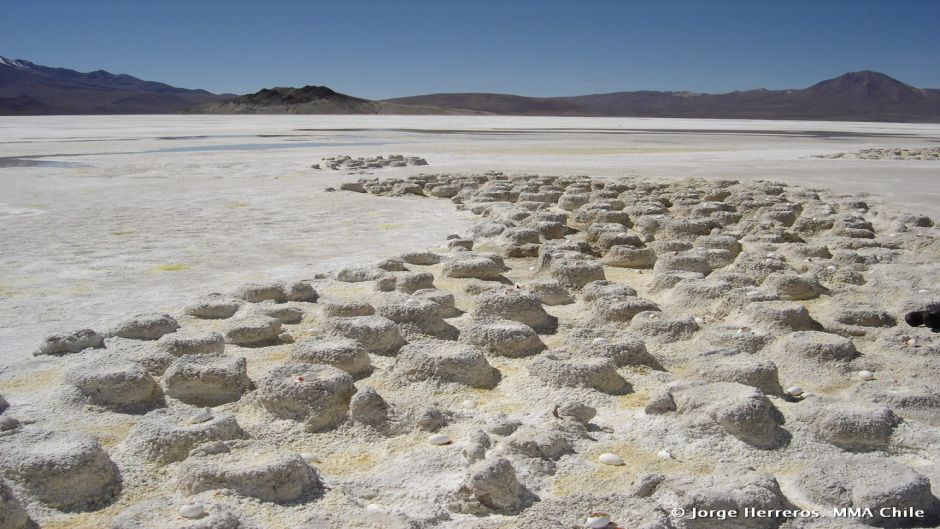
(857, 96)
(27, 88)
(314, 100)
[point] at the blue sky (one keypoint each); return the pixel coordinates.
(379, 49)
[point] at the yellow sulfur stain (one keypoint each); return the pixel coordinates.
(347, 463)
(236, 205)
(387, 226)
(604, 479)
(172, 267)
(120, 233)
(30, 382)
(634, 400)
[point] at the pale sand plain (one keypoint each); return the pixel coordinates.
(141, 213)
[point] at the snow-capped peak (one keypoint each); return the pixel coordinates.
(16, 63)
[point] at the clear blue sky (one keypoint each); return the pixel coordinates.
(389, 48)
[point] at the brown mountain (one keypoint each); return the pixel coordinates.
(857, 96)
(27, 88)
(314, 100)
(498, 104)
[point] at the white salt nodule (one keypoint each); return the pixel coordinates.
(310, 458)
(830, 267)
(866, 375)
(412, 302)
(600, 341)
(440, 439)
(794, 391)
(700, 321)
(531, 269)
(664, 454)
(469, 403)
(192, 510)
(203, 416)
(753, 293)
(597, 520)
(610, 459)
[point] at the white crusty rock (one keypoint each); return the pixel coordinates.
(316, 394)
(165, 513)
(564, 370)
(619, 309)
(253, 330)
(742, 411)
(70, 342)
(874, 483)
(655, 325)
(407, 282)
(214, 307)
(342, 353)
(472, 266)
(118, 385)
(814, 345)
(517, 305)
(207, 380)
(575, 272)
(65, 470)
(849, 425)
(445, 362)
(491, 483)
(732, 487)
(346, 308)
(186, 343)
(417, 316)
(287, 314)
(730, 366)
(550, 292)
(249, 468)
(164, 436)
(377, 334)
(258, 292)
(150, 326)
(503, 338)
(780, 316)
(12, 513)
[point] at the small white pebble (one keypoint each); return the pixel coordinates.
(866, 375)
(310, 458)
(610, 459)
(664, 454)
(700, 321)
(830, 267)
(753, 293)
(440, 439)
(601, 341)
(531, 269)
(203, 416)
(469, 403)
(597, 520)
(794, 391)
(412, 301)
(192, 510)
(373, 507)
(923, 291)
(912, 342)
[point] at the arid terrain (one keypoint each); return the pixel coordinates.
(255, 322)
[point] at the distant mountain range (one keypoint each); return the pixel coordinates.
(30, 89)
(856, 96)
